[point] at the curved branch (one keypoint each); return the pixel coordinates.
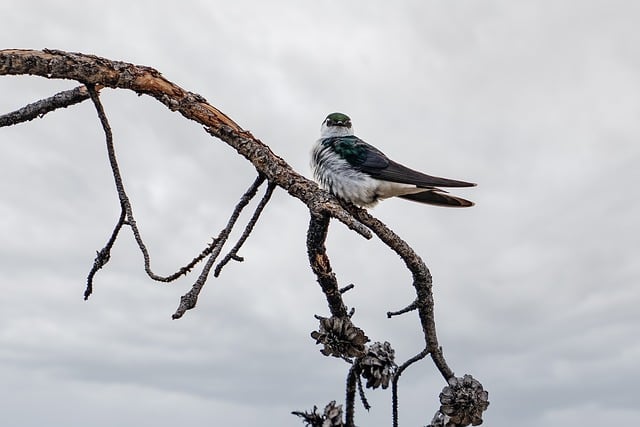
(95, 72)
(126, 215)
(90, 69)
(188, 300)
(233, 253)
(394, 383)
(422, 282)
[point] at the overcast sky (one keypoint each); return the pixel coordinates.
(536, 287)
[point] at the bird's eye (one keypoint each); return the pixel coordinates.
(329, 122)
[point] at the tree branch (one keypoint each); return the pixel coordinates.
(62, 99)
(316, 236)
(350, 400)
(90, 69)
(104, 254)
(422, 282)
(233, 253)
(394, 383)
(188, 300)
(96, 73)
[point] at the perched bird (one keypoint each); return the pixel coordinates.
(359, 173)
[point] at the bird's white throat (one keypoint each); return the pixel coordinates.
(334, 131)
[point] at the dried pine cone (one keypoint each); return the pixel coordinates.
(340, 337)
(378, 366)
(463, 401)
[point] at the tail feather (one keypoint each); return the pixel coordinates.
(434, 197)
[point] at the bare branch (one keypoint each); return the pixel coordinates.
(350, 401)
(347, 288)
(104, 254)
(316, 236)
(394, 382)
(410, 307)
(95, 72)
(126, 216)
(363, 396)
(422, 282)
(90, 69)
(29, 112)
(233, 253)
(189, 300)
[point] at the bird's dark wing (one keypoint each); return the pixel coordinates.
(374, 162)
(395, 172)
(358, 153)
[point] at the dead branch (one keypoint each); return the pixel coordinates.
(90, 69)
(233, 253)
(126, 214)
(29, 112)
(316, 236)
(188, 301)
(340, 337)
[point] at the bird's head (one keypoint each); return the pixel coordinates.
(336, 124)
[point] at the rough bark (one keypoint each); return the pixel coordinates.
(95, 73)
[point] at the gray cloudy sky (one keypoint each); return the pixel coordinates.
(536, 287)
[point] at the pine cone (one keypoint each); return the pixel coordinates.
(378, 366)
(463, 400)
(340, 337)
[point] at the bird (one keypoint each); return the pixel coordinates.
(359, 173)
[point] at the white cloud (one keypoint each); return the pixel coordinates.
(535, 287)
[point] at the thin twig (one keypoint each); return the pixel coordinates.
(394, 383)
(126, 204)
(350, 401)
(104, 254)
(188, 267)
(39, 108)
(347, 288)
(363, 396)
(233, 253)
(189, 300)
(407, 309)
(126, 215)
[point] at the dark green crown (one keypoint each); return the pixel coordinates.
(338, 119)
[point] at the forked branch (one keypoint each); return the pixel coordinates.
(340, 337)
